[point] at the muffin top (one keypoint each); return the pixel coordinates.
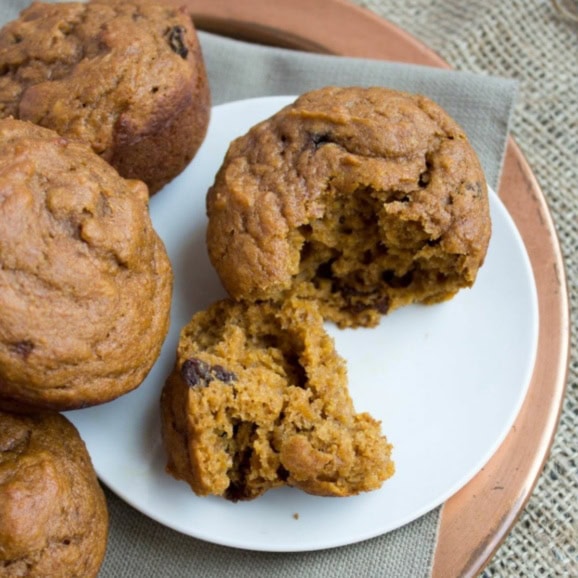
(107, 72)
(53, 515)
(85, 282)
(349, 186)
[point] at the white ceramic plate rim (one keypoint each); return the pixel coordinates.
(123, 436)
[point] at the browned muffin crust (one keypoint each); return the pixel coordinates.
(85, 282)
(362, 199)
(53, 515)
(125, 76)
(258, 399)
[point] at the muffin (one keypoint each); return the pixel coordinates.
(362, 199)
(258, 399)
(125, 76)
(85, 282)
(53, 515)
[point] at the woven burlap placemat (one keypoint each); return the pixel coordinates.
(536, 44)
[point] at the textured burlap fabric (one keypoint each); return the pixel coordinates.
(522, 41)
(534, 43)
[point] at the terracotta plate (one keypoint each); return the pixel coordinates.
(476, 519)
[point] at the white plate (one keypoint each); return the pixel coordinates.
(447, 382)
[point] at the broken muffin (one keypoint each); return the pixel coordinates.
(258, 399)
(362, 199)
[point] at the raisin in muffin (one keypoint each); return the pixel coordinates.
(363, 199)
(53, 515)
(258, 399)
(85, 282)
(125, 76)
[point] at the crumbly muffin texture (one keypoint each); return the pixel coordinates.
(53, 515)
(258, 399)
(125, 76)
(363, 199)
(85, 282)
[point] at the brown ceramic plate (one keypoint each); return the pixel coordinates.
(476, 519)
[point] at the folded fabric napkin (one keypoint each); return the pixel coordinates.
(481, 104)
(141, 547)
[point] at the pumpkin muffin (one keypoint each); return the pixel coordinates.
(53, 515)
(125, 76)
(258, 399)
(85, 282)
(362, 199)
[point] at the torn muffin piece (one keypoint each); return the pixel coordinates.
(258, 399)
(362, 199)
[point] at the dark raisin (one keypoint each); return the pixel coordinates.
(383, 305)
(223, 374)
(283, 474)
(367, 257)
(425, 176)
(475, 188)
(305, 230)
(382, 249)
(324, 271)
(297, 371)
(320, 139)
(271, 340)
(238, 489)
(23, 348)
(195, 371)
(348, 291)
(424, 179)
(235, 492)
(396, 281)
(177, 41)
(306, 250)
(356, 308)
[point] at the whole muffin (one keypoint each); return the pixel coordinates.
(85, 282)
(258, 399)
(53, 515)
(125, 76)
(363, 199)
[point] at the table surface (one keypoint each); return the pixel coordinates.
(476, 520)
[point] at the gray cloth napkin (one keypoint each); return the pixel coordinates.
(481, 104)
(141, 547)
